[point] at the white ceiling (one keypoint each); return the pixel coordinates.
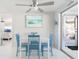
(10, 5)
(72, 11)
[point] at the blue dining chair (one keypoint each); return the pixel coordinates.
(23, 45)
(45, 45)
(33, 41)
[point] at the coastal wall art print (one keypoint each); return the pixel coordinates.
(33, 21)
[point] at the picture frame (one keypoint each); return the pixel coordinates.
(32, 21)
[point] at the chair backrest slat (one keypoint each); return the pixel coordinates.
(18, 39)
(51, 39)
(33, 39)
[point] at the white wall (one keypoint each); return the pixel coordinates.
(7, 18)
(57, 29)
(19, 25)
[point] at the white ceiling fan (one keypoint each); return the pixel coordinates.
(35, 5)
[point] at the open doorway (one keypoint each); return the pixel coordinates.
(6, 36)
(5, 30)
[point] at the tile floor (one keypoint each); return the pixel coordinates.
(8, 51)
(72, 53)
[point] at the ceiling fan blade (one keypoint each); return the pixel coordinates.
(28, 10)
(22, 5)
(46, 3)
(34, 3)
(40, 10)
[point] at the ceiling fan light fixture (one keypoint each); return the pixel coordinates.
(36, 8)
(35, 4)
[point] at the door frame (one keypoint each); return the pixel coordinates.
(61, 29)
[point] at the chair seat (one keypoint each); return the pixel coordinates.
(24, 44)
(35, 47)
(44, 45)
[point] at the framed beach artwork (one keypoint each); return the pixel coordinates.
(33, 21)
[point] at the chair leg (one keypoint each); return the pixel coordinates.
(29, 52)
(17, 52)
(51, 52)
(26, 51)
(42, 51)
(38, 53)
